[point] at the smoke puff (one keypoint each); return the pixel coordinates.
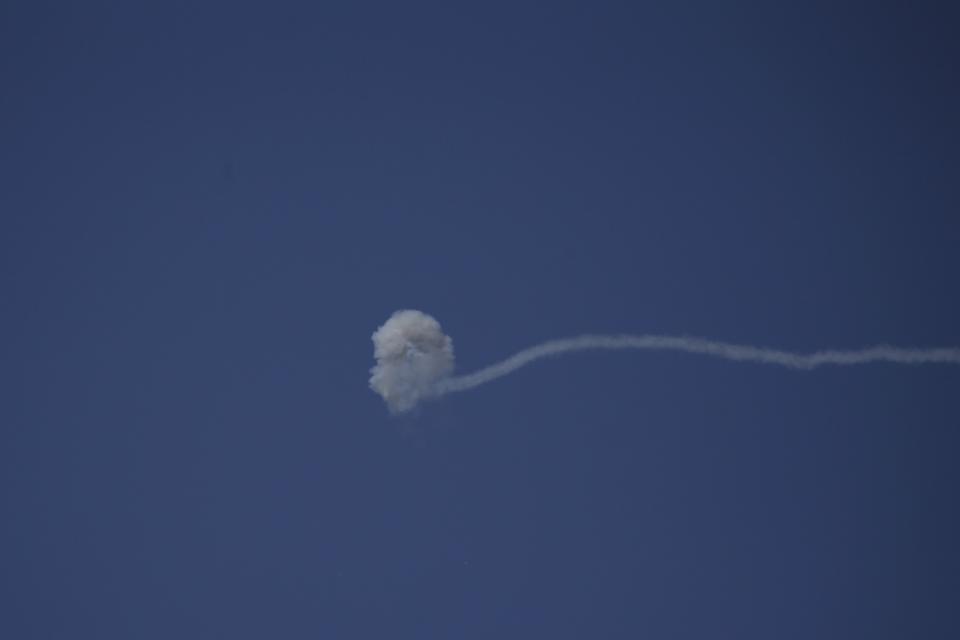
(413, 355)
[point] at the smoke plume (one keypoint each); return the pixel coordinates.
(415, 358)
(413, 355)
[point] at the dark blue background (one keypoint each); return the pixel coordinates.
(208, 208)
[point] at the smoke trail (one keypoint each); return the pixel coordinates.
(880, 353)
(415, 358)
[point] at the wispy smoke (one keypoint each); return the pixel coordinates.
(881, 353)
(426, 372)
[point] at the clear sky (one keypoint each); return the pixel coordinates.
(207, 208)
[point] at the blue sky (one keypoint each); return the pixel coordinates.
(207, 210)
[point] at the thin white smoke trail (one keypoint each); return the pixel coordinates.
(415, 357)
(728, 351)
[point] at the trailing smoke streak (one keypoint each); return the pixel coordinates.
(415, 358)
(880, 353)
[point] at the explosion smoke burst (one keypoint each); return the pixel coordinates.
(412, 354)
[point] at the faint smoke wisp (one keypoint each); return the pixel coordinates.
(415, 358)
(881, 353)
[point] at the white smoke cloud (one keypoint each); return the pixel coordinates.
(415, 358)
(412, 354)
